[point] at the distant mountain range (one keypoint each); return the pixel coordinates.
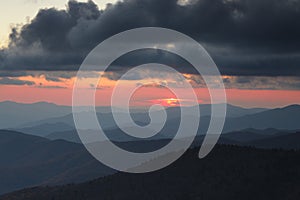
(40, 161)
(18, 115)
(28, 160)
(227, 173)
(50, 152)
(279, 118)
(46, 129)
(286, 118)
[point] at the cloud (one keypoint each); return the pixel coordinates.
(251, 82)
(11, 81)
(244, 37)
(51, 86)
(54, 76)
(7, 73)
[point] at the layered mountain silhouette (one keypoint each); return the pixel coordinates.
(279, 118)
(45, 118)
(50, 152)
(227, 173)
(28, 160)
(18, 114)
(286, 119)
(287, 141)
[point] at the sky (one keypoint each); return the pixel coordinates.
(25, 10)
(43, 43)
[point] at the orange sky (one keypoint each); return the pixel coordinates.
(149, 95)
(60, 92)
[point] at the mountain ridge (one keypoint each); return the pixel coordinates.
(229, 172)
(41, 161)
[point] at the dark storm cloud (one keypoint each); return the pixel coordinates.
(54, 76)
(244, 37)
(11, 81)
(14, 73)
(251, 82)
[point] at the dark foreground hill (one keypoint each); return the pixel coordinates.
(27, 161)
(229, 172)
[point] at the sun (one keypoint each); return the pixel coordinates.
(167, 102)
(170, 102)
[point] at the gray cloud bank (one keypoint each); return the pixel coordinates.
(13, 81)
(244, 37)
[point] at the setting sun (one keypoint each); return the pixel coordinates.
(168, 102)
(171, 101)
